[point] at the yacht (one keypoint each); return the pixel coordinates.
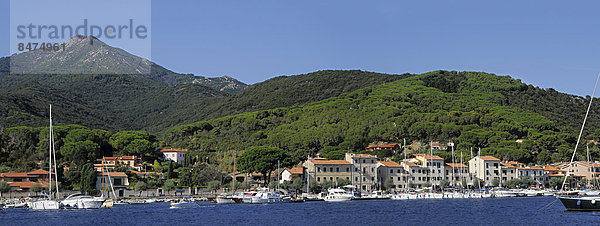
(44, 204)
(82, 201)
(338, 195)
(503, 193)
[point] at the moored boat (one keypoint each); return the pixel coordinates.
(581, 203)
(337, 195)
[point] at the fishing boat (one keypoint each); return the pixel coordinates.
(580, 203)
(47, 203)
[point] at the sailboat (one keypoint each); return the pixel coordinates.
(580, 203)
(48, 203)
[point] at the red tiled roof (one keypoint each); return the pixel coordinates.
(25, 184)
(38, 172)
(489, 158)
(363, 156)
(13, 174)
(411, 164)
(111, 158)
(457, 165)
(530, 168)
(128, 157)
(507, 165)
(296, 170)
(426, 156)
(172, 150)
(330, 162)
(389, 163)
(114, 174)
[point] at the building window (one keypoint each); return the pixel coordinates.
(337, 169)
(398, 171)
(372, 170)
(364, 161)
(324, 169)
(392, 178)
(391, 171)
(331, 169)
(356, 179)
(318, 178)
(399, 178)
(372, 161)
(347, 169)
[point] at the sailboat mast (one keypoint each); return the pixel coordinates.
(478, 160)
(431, 164)
(50, 156)
(580, 133)
(55, 165)
(453, 167)
(461, 170)
(406, 178)
(587, 148)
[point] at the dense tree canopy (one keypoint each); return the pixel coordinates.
(264, 160)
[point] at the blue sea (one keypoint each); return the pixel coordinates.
(501, 211)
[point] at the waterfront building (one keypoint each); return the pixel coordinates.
(119, 180)
(454, 173)
(391, 171)
(509, 171)
(533, 172)
(364, 171)
(434, 165)
(417, 175)
(485, 168)
(321, 169)
(289, 174)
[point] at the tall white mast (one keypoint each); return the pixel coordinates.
(406, 178)
(50, 140)
(431, 164)
(453, 166)
(580, 133)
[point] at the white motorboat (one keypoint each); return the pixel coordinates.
(222, 199)
(184, 203)
(15, 205)
(503, 193)
(82, 201)
(46, 204)
(338, 195)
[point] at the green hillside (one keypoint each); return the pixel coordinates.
(472, 109)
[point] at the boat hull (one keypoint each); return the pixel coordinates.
(44, 205)
(581, 204)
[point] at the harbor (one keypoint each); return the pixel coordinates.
(491, 211)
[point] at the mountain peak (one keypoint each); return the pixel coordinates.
(80, 55)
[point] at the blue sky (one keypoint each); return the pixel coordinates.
(546, 43)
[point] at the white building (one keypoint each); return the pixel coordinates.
(364, 175)
(174, 155)
(391, 171)
(486, 168)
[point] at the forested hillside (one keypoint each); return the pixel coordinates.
(471, 109)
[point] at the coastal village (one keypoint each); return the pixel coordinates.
(365, 172)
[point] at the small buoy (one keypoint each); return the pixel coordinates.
(579, 202)
(593, 202)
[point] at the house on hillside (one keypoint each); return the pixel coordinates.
(393, 147)
(112, 162)
(174, 155)
(24, 181)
